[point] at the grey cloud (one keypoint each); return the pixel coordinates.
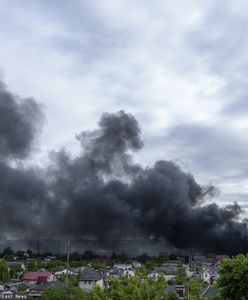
(221, 43)
(209, 147)
(238, 107)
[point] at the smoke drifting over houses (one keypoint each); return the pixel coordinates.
(102, 193)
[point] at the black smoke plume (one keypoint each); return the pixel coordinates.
(20, 119)
(22, 189)
(102, 193)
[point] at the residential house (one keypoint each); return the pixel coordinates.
(15, 291)
(197, 262)
(128, 273)
(17, 286)
(208, 292)
(154, 274)
(89, 279)
(37, 290)
(123, 266)
(38, 277)
(178, 289)
(63, 271)
(136, 265)
(205, 275)
(170, 268)
(209, 261)
(219, 258)
(169, 278)
(117, 273)
(49, 258)
(214, 273)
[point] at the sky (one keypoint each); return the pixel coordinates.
(180, 67)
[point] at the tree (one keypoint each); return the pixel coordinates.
(30, 253)
(34, 265)
(136, 288)
(172, 296)
(143, 258)
(163, 257)
(181, 276)
(8, 252)
(4, 271)
(64, 294)
(20, 254)
(195, 286)
(233, 281)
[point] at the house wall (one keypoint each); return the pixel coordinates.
(129, 273)
(30, 281)
(205, 276)
(90, 285)
(51, 278)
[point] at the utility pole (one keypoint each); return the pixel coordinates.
(67, 261)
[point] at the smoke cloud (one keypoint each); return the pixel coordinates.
(22, 189)
(102, 192)
(20, 119)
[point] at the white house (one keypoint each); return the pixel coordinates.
(123, 266)
(136, 265)
(154, 274)
(63, 272)
(205, 275)
(128, 273)
(90, 279)
(169, 277)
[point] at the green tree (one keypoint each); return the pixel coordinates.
(72, 280)
(136, 288)
(53, 264)
(34, 265)
(195, 286)
(64, 294)
(4, 271)
(163, 257)
(7, 252)
(20, 254)
(181, 276)
(233, 282)
(172, 296)
(30, 252)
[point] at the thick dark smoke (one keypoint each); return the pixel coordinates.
(20, 120)
(21, 189)
(104, 194)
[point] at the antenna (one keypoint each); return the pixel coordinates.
(67, 261)
(38, 246)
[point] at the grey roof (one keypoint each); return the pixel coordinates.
(170, 269)
(59, 269)
(90, 276)
(20, 287)
(47, 285)
(209, 291)
(170, 289)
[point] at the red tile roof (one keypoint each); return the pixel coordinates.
(36, 275)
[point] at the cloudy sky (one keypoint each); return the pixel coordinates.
(181, 67)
